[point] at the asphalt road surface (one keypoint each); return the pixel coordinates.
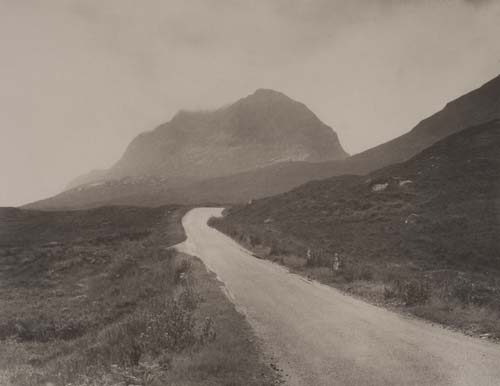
(320, 336)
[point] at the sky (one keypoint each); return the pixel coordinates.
(79, 79)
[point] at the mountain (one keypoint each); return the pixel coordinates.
(260, 130)
(439, 209)
(479, 106)
(165, 165)
(268, 174)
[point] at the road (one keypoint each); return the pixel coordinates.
(323, 337)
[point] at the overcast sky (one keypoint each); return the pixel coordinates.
(79, 79)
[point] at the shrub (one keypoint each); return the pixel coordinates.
(275, 249)
(255, 240)
(412, 292)
(365, 273)
(469, 292)
(41, 329)
(181, 271)
(319, 259)
(391, 292)
(171, 329)
(208, 333)
(352, 270)
(416, 292)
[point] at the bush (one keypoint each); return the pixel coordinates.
(171, 329)
(352, 271)
(255, 240)
(416, 292)
(181, 271)
(41, 329)
(319, 259)
(275, 249)
(472, 293)
(413, 292)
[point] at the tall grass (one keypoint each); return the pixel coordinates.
(97, 310)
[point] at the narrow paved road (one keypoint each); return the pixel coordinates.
(322, 337)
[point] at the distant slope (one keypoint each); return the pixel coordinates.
(476, 107)
(262, 182)
(442, 207)
(133, 191)
(153, 191)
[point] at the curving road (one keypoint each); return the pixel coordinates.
(322, 337)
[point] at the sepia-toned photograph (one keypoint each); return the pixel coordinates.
(250, 193)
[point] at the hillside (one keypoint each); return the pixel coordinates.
(434, 218)
(478, 106)
(449, 193)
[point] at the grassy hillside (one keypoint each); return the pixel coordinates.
(96, 298)
(423, 233)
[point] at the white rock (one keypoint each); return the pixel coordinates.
(380, 187)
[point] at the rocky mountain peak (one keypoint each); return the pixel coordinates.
(258, 130)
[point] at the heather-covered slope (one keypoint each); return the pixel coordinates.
(441, 207)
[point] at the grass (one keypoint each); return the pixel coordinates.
(426, 243)
(233, 358)
(96, 298)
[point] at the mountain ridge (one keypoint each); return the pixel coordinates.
(477, 106)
